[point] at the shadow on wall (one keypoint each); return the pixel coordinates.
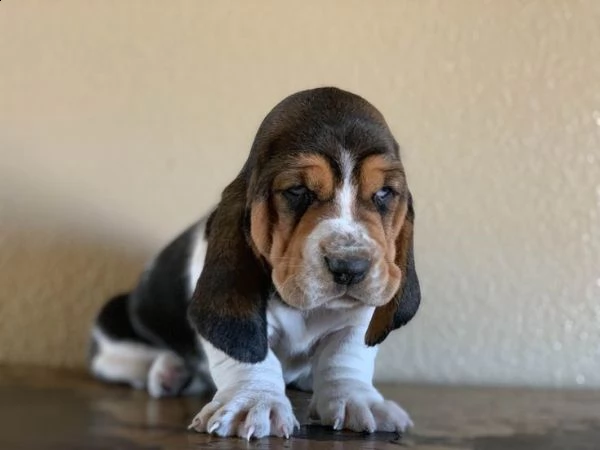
(54, 277)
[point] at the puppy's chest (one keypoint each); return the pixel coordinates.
(294, 335)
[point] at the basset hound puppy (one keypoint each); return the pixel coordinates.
(302, 269)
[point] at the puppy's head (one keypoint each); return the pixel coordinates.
(321, 213)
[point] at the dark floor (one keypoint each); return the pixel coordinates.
(42, 409)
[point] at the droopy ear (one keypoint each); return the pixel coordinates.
(228, 307)
(404, 305)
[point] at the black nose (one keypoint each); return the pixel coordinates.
(348, 271)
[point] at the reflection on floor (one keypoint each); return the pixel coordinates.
(43, 409)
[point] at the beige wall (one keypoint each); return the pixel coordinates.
(120, 122)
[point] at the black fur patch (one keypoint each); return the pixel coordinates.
(159, 303)
(114, 322)
(410, 299)
(245, 340)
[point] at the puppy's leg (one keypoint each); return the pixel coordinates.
(161, 372)
(344, 396)
(250, 399)
(121, 361)
(120, 355)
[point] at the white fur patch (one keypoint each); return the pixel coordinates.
(346, 195)
(197, 255)
(122, 361)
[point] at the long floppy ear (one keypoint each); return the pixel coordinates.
(404, 305)
(228, 307)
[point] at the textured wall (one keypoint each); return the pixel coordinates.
(120, 122)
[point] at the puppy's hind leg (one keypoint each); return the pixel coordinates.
(171, 376)
(120, 355)
(117, 353)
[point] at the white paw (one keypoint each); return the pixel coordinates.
(167, 376)
(247, 413)
(358, 407)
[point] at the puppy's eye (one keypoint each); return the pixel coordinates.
(296, 191)
(299, 197)
(383, 197)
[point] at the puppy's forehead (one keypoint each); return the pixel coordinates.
(324, 121)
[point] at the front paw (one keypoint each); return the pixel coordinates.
(358, 407)
(247, 413)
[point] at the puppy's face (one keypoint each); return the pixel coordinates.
(333, 199)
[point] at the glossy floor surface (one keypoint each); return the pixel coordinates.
(41, 409)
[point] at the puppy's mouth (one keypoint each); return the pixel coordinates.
(343, 298)
(343, 302)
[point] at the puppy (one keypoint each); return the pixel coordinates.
(305, 265)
